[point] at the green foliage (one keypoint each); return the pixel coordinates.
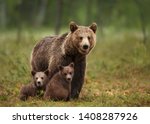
(124, 13)
(118, 70)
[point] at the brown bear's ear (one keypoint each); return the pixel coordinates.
(73, 26)
(46, 72)
(71, 65)
(60, 67)
(33, 73)
(93, 27)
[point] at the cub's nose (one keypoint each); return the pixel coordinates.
(85, 47)
(38, 82)
(68, 79)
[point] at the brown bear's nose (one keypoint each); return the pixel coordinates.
(85, 47)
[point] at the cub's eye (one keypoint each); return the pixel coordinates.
(36, 78)
(81, 38)
(65, 74)
(42, 78)
(70, 73)
(89, 38)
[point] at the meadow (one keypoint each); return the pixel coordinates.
(118, 70)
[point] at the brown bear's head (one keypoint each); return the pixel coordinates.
(82, 37)
(40, 78)
(67, 72)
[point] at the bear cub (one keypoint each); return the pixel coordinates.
(59, 87)
(39, 82)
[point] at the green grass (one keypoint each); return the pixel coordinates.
(118, 71)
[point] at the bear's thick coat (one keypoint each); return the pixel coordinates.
(59, 87)
(39, 82)
(62, 50)
(28, 90)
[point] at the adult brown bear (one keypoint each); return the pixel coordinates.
(64, 49)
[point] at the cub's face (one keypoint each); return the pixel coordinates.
(40, 78)
(67, 72)
(83, 38)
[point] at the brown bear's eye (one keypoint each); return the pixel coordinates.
(70, 73)
(81, 38)
(89, 38)
(42, 78)
(36, 78)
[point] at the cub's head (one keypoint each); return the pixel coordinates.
(40, 78)
(83, 37)
(67, 72)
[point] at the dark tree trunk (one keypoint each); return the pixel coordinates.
(41, 14)
(99, 17)
(19, 22)
(59, 5)
(72, 5)
(142, 20)
(3, 13)
(88, 12)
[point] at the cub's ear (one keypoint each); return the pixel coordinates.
(73, 26)
(33, 73)
(93, 27)
(60, 67)
(46, 72)
(71, 65)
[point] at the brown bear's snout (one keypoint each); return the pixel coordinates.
(39, 84)
(85, 47)
(68, 77)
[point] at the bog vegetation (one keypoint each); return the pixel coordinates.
(118, 71)
(118, 68)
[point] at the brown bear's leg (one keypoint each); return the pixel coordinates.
(78, 79)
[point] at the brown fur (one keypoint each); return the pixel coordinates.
(43, 81)
(35, 86)
(28, 90)
(59, 87)
(62, 50)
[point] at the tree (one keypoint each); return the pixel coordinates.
(59, 5)
(41, 13)
(142, 20)
(3, 13)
